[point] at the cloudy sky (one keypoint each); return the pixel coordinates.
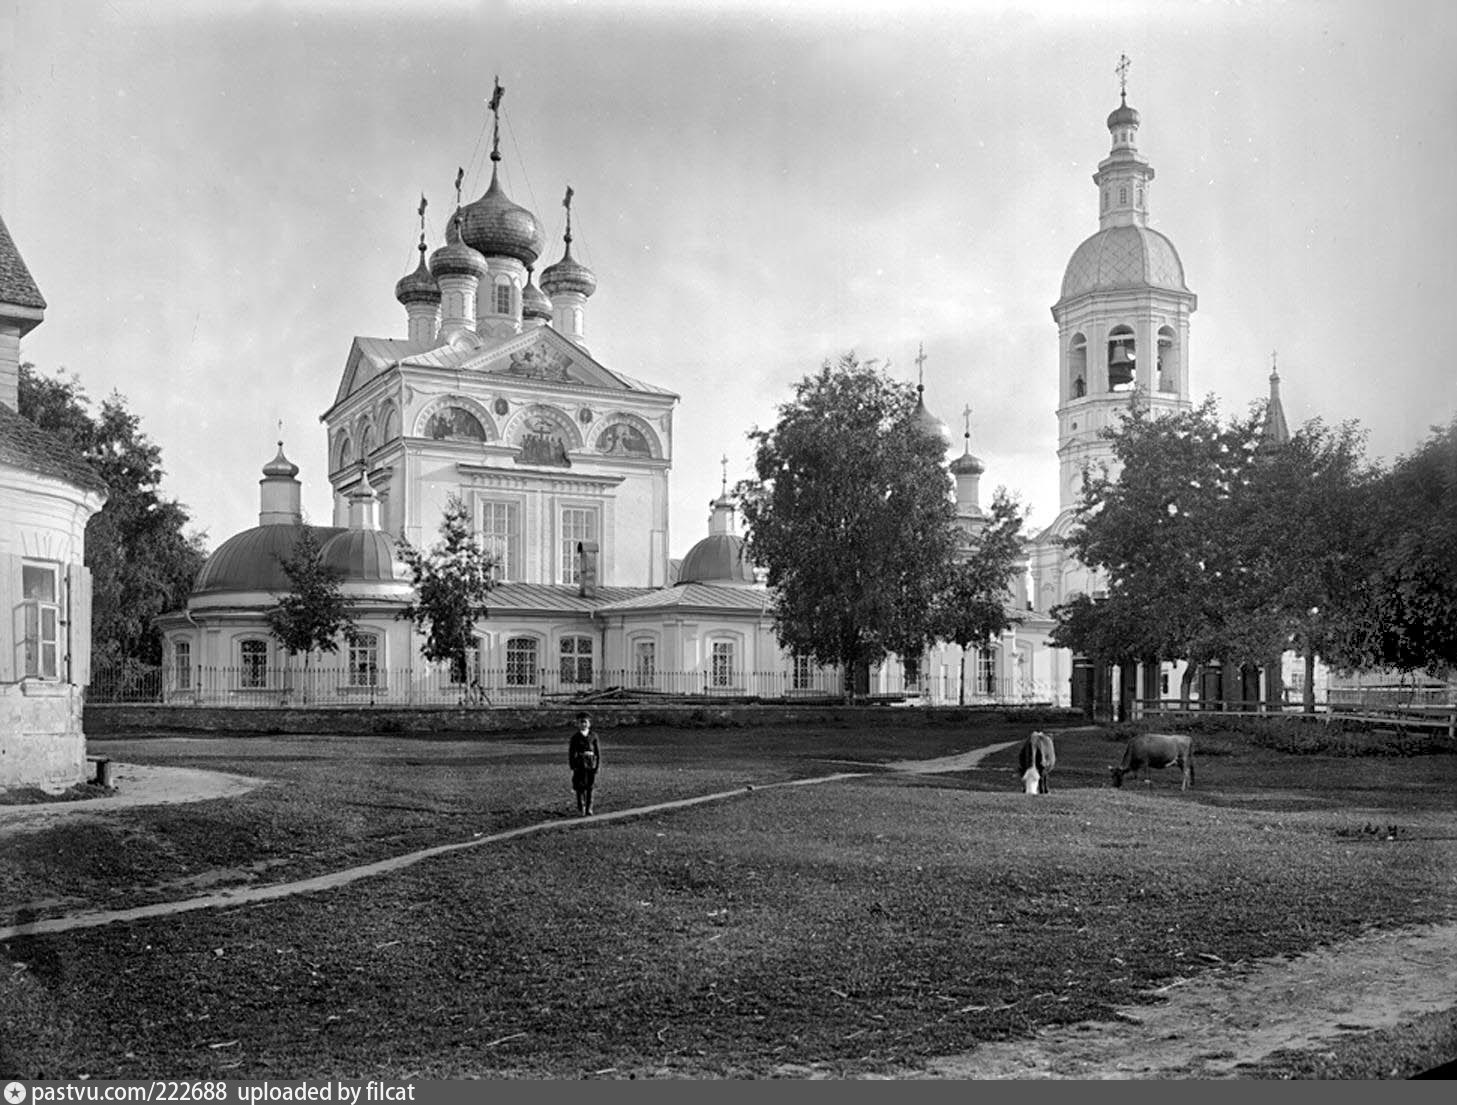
(216, 197)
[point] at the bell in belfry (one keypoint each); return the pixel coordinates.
(1120, 366)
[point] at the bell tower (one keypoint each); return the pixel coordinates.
(1123, 316)
(1123, 338)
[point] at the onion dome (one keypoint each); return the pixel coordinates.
(967, 465)
(419, 286)
(534, 301)
(360, 556)
(496, 227)
(280, 466)
(718, 558)
(455, 258)
(929, 423)
(1123, 115)
(569, 275)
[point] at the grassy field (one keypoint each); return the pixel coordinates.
(854, 927)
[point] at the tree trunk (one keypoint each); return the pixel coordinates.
(961, 680)
(1307, 693)
(1185, 682)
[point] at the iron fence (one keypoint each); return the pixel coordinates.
(440, 686)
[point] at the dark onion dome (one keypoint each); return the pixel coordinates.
(718, 558)
(534, 301)
(496, 227)
(930, 423)
(281, 466)
(967, 465)
(568, 275)
(360, 556)
(1119, 257)
(455, 258)
(253, 560)
(1122, 116)
(419, 286)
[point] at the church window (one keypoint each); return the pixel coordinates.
(500, 530)
(1106, 193)
(1140, 195)
(364, 660)
(576, 659)
(40, 585)
(1122, 196)
(1077, 363)
(644, 663)
(503, 299)
(721, 673)
(1080, 388)
(253, 664)
(803, 673)
(522, 663)
(578, 524)
(986, 671)
(467, 669)
(454, 423)
(182, 666)
(1167, 377)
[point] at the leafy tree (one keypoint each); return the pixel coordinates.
(851, 516)
(315, 612)
(1402, 611)
(141, 560)
(1302, 540)
(452, 582)
(1158, 529)
(974, 610)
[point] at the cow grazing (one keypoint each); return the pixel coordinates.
(1034, 761)
(1150, 750)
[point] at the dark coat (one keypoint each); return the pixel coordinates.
(577, 749)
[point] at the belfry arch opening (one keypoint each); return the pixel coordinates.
(1121, 354)
(1168, 361)
(1077, 367)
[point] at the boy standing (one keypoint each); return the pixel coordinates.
(585, 758)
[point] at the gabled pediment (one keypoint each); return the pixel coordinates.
(368, 357)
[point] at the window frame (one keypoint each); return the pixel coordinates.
(569, 565)
(363, 661)
(37, 643)
(721, 675)
(519, 648)
(252, 675)
(581, 650)
(644, 674)
(182, 665)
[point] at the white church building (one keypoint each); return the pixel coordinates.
(493, 395)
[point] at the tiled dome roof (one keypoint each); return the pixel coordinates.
(931, 424)
(1124, 257)
(568, 275)
(534, 302)
(966, 464)
(455, 258)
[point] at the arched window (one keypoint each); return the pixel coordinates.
(456, 424)
(723, 661)
(522, 662)
(253, 664)
(986, 671)
(1107, 193)
(503, 299)
(1122, 353)
(182, 666)
(644, 662)
(364, 660)
(1077, 366)
(576, 659)
(1168, 376)
(1122, 196)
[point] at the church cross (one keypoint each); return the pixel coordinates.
(1122, 70)
(920, 364)
(966, 416)
(724, 462)
(495, 106)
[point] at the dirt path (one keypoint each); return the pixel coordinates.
(1211, 1024)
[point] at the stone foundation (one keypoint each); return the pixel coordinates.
(41, 741)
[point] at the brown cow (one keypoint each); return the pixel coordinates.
(1035, 759)
(1149, 750)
